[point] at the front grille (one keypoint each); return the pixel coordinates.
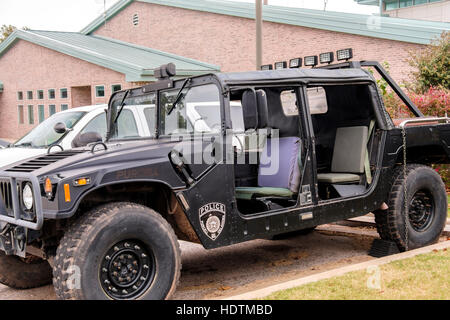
(43, 161)
(5, 192)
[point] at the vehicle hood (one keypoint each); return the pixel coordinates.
(12, 155)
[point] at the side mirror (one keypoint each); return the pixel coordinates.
(84, 139)
(60, 128)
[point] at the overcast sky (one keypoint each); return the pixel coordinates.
(70, 15)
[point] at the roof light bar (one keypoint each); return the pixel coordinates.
(295, 63)
(280, 65)
(326, 57)
(267, 67)
(344, 54)
(311, 61)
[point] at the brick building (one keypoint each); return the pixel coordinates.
(42, 72)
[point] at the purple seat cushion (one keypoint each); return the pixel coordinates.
(279, 166)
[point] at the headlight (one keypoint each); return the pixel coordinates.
(27, 197)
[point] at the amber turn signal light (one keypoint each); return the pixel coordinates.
(67, 192)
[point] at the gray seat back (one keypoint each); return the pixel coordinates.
(350, 149)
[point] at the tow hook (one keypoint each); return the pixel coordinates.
(21, 237)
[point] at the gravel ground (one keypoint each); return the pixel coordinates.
(217, 273)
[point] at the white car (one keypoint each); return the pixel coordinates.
(66, 127)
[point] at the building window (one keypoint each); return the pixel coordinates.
(64, 94)
(100, 91)
(64, 107)
(20, 95)
(405, 3)
(20, 111)
(30, 95)
(40, 94)
(51, 93)
(416, 2)
(135, 19)
(41, 113)
(116, 87)
(30, 114)
(51, 109)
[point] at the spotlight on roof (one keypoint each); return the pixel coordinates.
(344, 54)
(326, 57)
(165, 71)
(280, 65)
(266, 67)
(295, 63)
(311, 61)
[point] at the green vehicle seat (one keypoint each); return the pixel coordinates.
(349, 154)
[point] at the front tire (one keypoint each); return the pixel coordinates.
(427, 208)
(20, 273)
(118, 251)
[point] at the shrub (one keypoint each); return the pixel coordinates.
(432, 65)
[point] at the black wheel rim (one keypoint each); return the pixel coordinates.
(127, 270)
(421, 210)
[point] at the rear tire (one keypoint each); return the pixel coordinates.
(121, 251)
(427, 208)
(19, 273)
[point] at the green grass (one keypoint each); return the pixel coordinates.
(425, 276)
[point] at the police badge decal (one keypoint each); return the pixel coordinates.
(212, 219)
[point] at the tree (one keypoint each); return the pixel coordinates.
(6, 30)
(432, 65)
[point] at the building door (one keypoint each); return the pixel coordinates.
(81, 96)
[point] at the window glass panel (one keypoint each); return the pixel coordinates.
(289, 102)
(21, 115)
(41, 112)
(390, 5)
(40, 94)
(116, 87)
(405, 3)
(100, 91)
(198, 110)
(150, 116)
(64, 94)
(51, 93)
(146, 104)
(98, 124)
(20, 95)
(30, 115)
(30, 95)
(51, 109)
(64, 107)
(317, 100)
(126, 125)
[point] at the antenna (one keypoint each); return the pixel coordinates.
(104, 11)
(325, 2)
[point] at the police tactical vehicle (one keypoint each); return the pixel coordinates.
(103, 220)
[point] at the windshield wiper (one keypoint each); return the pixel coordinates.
(179, 95)
(122, 104)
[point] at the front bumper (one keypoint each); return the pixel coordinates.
(11, 210)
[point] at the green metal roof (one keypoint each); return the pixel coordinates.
(414, 31)
(136, 62)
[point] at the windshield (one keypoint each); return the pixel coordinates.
(123, 124)
(197, 111)
(44, 134)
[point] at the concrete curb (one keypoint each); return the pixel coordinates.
(261, 293)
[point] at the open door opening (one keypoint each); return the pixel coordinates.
(347, 138)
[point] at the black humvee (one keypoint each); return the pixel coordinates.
(232, 157)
